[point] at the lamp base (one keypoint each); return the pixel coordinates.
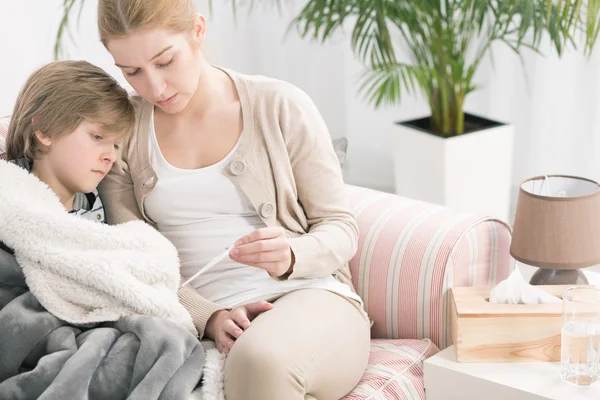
(545, 276)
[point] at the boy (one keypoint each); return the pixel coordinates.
(73, 274)
(66, 123)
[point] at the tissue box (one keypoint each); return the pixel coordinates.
(489, 332)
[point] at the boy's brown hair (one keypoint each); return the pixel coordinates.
(58, 97)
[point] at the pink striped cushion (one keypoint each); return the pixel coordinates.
(411, 252)
(4, 121)
(395, 370)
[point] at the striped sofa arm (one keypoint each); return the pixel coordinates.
(411, 252)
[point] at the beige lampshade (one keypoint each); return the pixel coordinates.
(557, 224)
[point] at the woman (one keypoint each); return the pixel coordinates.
(220, 158)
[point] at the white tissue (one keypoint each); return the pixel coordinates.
(514, 290)
(593, 278)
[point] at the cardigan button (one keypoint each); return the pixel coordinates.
(149, 181)
(266, 210)
(237, 167)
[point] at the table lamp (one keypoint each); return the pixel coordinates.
(557, 228)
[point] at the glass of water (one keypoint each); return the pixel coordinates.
(580, 347)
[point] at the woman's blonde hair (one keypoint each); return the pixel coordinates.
(58, 97)
(119, 18)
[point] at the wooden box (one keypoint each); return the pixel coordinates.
(489, 332)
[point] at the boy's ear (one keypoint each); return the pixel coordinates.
(45, 140)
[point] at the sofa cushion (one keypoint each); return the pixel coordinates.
(395, 370)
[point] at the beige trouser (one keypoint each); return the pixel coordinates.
(313, 344)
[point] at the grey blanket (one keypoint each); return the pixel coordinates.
(43, 357)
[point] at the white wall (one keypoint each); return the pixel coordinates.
(27, 32)
(555, 120)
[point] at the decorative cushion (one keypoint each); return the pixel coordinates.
(4, 121)
(395, 370)
(340, 145)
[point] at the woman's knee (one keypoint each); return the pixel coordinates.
(254, 370)
(254, 357)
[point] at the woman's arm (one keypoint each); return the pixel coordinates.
(333, 233)
(199, 308)
(117, 195)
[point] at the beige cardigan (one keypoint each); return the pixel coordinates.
(285, 164)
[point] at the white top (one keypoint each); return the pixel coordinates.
(202, 212)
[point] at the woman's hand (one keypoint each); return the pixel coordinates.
(265, 248)
(225, 326)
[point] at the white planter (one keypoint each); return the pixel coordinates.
(471, 172)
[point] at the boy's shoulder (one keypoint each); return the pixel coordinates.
(89, 206)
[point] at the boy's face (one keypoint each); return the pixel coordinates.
(80, 160)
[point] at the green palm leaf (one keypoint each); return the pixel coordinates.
(386, 83)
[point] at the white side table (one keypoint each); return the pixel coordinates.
(446, 379)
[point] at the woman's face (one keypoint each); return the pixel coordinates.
(163, 67)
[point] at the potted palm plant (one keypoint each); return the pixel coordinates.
(435, 47)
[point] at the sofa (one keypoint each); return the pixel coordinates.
(410, 254)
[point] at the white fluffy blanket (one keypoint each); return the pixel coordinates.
(83, 271)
